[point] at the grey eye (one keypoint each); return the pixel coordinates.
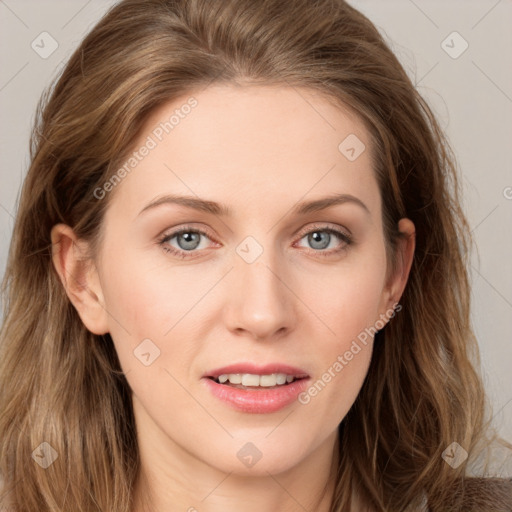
(319, 239)
(188, 240)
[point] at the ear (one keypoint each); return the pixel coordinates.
(404, 255)
(79, 277)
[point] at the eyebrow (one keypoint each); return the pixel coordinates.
(214, 208)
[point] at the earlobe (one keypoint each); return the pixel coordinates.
(79, 278)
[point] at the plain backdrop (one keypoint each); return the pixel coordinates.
(457, 53)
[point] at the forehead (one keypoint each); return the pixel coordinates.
(250, 146)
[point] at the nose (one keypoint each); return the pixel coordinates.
(260, 303)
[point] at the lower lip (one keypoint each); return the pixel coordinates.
(259, 400)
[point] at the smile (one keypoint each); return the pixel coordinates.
(258, 390)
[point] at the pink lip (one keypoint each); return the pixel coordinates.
(259, 400)
(258, 370)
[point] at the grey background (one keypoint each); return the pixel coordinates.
(471, 95)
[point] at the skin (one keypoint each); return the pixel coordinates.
(257, 150)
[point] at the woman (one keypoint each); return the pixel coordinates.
(237, 277)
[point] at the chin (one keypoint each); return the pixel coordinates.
(261, 456)
(274, 465)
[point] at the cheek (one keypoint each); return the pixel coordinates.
(149, 299)
(348, 303)
(148, 294)
(347, 299)
(343, 361)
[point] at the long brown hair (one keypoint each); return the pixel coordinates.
(63, 385)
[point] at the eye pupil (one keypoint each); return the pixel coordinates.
(319, 239)
(191, 240)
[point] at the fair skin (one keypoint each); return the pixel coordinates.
(258, 151)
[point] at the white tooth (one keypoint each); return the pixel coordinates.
(235, 378)
(280, 378)
(249, 379)
(253, 380)
(268, 380)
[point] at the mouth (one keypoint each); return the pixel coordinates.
(256, 389)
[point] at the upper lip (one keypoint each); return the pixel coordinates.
(255, 369)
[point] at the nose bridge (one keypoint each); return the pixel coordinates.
(260, 303)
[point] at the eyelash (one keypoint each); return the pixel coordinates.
(343, 236)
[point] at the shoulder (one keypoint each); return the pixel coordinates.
(483, 494)
(487, 484)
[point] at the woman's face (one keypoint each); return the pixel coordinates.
(225, 253)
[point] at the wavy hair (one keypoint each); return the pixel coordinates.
(61, 384)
